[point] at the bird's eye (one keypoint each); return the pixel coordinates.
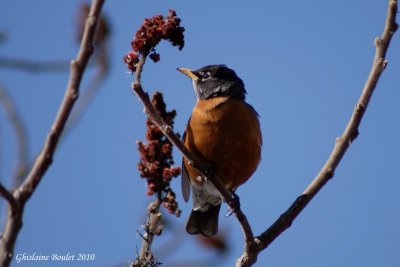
(205, 75)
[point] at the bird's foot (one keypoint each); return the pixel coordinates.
(233, 203)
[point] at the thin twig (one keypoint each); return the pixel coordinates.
(33, 66)
(44, 160)
(7, 195)
(102, 64)
(21, 135)
(204, 169)
(341, 145)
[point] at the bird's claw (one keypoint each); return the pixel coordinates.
(233, 203)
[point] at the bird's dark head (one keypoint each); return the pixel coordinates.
(216, 80)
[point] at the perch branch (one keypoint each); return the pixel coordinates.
(341, 145)
(45, 157)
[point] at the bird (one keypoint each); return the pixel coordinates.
(224, 132)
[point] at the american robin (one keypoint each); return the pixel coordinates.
(223, 131)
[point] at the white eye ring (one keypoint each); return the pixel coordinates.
(205, 75)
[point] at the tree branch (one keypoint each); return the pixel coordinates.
(341, 145)
(45, 158)
(102, 64)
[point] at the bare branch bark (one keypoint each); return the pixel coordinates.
(341, 145)
(45, 158)
(102, 65)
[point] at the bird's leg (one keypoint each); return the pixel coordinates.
(233, 203)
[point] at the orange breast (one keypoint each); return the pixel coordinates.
(226, 134)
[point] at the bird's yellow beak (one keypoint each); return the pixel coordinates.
(189, 73)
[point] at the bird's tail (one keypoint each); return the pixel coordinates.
(204, 222)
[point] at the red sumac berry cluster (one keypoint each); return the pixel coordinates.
(152, 31)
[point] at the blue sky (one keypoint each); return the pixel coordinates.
(304, 64)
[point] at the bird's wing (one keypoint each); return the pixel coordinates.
(185, 182)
